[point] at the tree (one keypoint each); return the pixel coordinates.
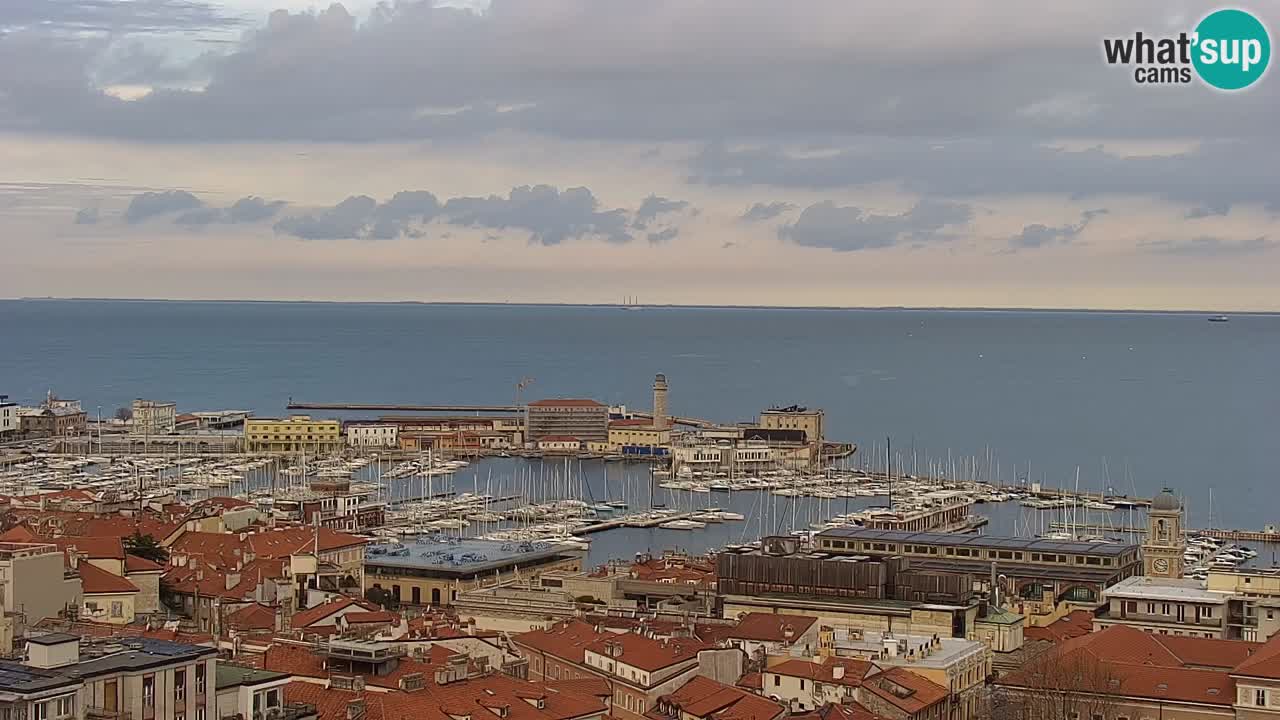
(145, 546)
(380, 597)
(1055, 685)
(124, 414)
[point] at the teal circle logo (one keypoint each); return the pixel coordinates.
(1232, 49)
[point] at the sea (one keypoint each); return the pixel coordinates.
(1122, 401)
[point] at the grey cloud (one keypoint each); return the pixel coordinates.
(952, 168)
(1210, 246)
(1039, 235)
(1203, 211)
(663, 236)
(87, 216)
(152, 204)
(846, 229)
(766, 211)
(117, 16)
(346, 220)
(550, 216)
(653, 206)
(245, 210)
(584, 69)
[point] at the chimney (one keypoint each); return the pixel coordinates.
(355, 709)
(232, 579)
(837, 672)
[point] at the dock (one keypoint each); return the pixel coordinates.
(634, 522)
(1261, 536)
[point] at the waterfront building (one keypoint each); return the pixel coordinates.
(8, 417)
(331, 503)
(52, 421)
(373, 435)
(887, 594)
(1253, 611)
(294, 434)
(638, 437)
(586, 420)
(937, 511)
(560, 444)
(66, 676)
(795, 417)
(154, 418)
(1034, 570)
(433, 572)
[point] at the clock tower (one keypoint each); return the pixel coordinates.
(1162, 552)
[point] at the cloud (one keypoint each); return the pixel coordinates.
(846, 229)
(152, 204)
(549, 215)
(116, 16)
(1210, 246)
(589, 70)
(978, 167)
(663, 236)
(653, 206)
(348, 219)
(1039, 235)
(249, 209)
(1203, 211)
(87, 216)
(766, 211)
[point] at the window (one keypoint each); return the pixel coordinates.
(117, 609)
(801, 683)
(1164, 608)
(149, 691)
(200, 713)
(200, 683)
(66, 706)
(1260, 697)
(777, 680)
(180, 684)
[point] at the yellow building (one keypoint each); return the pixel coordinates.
(295, 434)
(637, 433)
(795, 417)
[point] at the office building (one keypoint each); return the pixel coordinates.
(295, 434)
(154, 418)
(373, 435)
(8, 417)
(795, 417)
(586, 420)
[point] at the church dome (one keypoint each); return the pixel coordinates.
(1165, 501)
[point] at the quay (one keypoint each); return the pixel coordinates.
(1262, 536)
(404, 408)
(643, 521)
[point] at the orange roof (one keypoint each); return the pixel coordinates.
(373, 616)
(594, 686)
(135, 564)
(838, 711)
(854, 672)
(18, 533)
(1072, 625)
(771, 627)
(705, 698)
(94, 548)
(648, 653)
(1265, 663)
(253, 617)
(325, 611)
(96, 581)
(567, 402)
(905, 690)
(566, 640)
(1208, 652)
(92, 629)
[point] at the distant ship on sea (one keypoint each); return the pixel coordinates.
(629, 302)
(1219, 318)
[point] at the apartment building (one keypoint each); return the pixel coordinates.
(1165, 606)
(294, 434)
(151, 417)
(8, 418)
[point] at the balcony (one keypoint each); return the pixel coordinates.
(100, 713)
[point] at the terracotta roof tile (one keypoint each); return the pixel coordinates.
(853, 672)
(94, 548)
(1074, 624)
(252, 617)
(134, 564)
(905, 690)
(566, 640)
(96, 581)
(705, 698)
(314, 616)
(648, 653)
(770, 627)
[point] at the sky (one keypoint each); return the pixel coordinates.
(975, 153)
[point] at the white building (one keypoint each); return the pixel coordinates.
(8, 416)
(154, 418)
(373, 435)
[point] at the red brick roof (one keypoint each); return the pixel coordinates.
(1208, 652)
(854, 672)
(94, 548)
(96, 581)
(373, 616)
(1265, 663)
(325, 611)
(705, 698)
(92, 629)
(18, 533)
(593, 686)
(770, 627)
(566, 640)
(1072, 625)
(135, 564)
(837, 711)
(229, 550)
(905, 690)
(648, 653)
(567, 402)
(252, 617)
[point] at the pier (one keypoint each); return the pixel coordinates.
(1261, 536)
(404, 408)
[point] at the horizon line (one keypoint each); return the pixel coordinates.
(675, 306)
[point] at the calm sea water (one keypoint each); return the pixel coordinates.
(1135, 401)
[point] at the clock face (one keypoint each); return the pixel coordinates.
(1161, 565)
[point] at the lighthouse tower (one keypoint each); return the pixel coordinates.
(660, 420)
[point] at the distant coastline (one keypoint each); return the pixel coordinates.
(660, 306)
